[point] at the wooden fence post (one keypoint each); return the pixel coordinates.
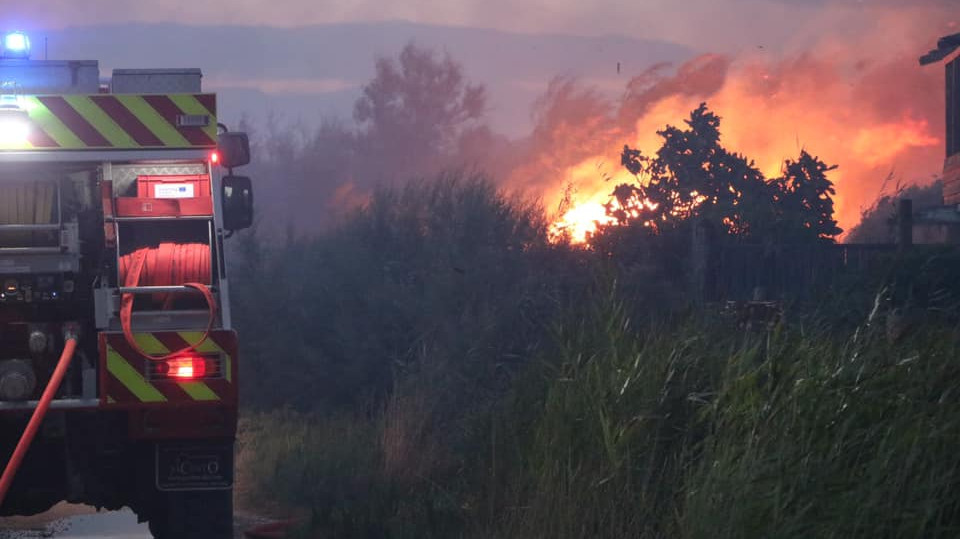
(904, 224)
(701, 259)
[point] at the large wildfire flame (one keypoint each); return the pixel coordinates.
(873, 119)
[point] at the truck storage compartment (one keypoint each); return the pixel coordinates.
(156, 81)
(29, 215)
(177, 195)
(52, 76)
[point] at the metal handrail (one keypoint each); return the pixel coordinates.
(161, 218)
(16, 227)
(27, 250)
(55, 404)
(158, 289)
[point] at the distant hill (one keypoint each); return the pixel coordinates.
(306, 72)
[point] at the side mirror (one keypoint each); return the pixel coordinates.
(234, 148)
(237, 202)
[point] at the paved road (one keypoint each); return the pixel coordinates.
(78, 522)
(73, 522)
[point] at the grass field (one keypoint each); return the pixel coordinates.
(692, 429)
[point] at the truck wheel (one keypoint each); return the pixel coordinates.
(193, 515)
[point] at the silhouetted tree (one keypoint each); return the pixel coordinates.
(694, 176)
(415, 117)
(804, 198)
(414, 113)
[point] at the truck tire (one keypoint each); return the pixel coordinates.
(193, 515)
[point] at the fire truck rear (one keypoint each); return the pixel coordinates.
(118, 362)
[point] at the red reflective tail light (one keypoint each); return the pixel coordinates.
(186, 368)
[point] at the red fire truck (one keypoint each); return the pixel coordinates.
(118, 363)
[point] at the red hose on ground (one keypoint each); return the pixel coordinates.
(38, 414)
(272, 530)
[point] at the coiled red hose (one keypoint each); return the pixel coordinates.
(169, 264)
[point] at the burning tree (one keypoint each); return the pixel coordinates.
(694, 176)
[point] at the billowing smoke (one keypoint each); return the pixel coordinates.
(853, 94)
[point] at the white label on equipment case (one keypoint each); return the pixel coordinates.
(173, 190)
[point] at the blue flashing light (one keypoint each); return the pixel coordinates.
(16, 45)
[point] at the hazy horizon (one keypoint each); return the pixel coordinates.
(317, 78)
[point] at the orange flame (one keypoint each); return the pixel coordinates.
(581, 221)
(870, 120)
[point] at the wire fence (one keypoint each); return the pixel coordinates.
(744, 272)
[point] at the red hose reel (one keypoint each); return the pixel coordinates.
(169, 264)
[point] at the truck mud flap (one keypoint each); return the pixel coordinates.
(194, 466)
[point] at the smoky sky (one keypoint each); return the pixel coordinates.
(275, 56)
(305, 59)
(868, 3)
(711, 25)
(308, 60)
